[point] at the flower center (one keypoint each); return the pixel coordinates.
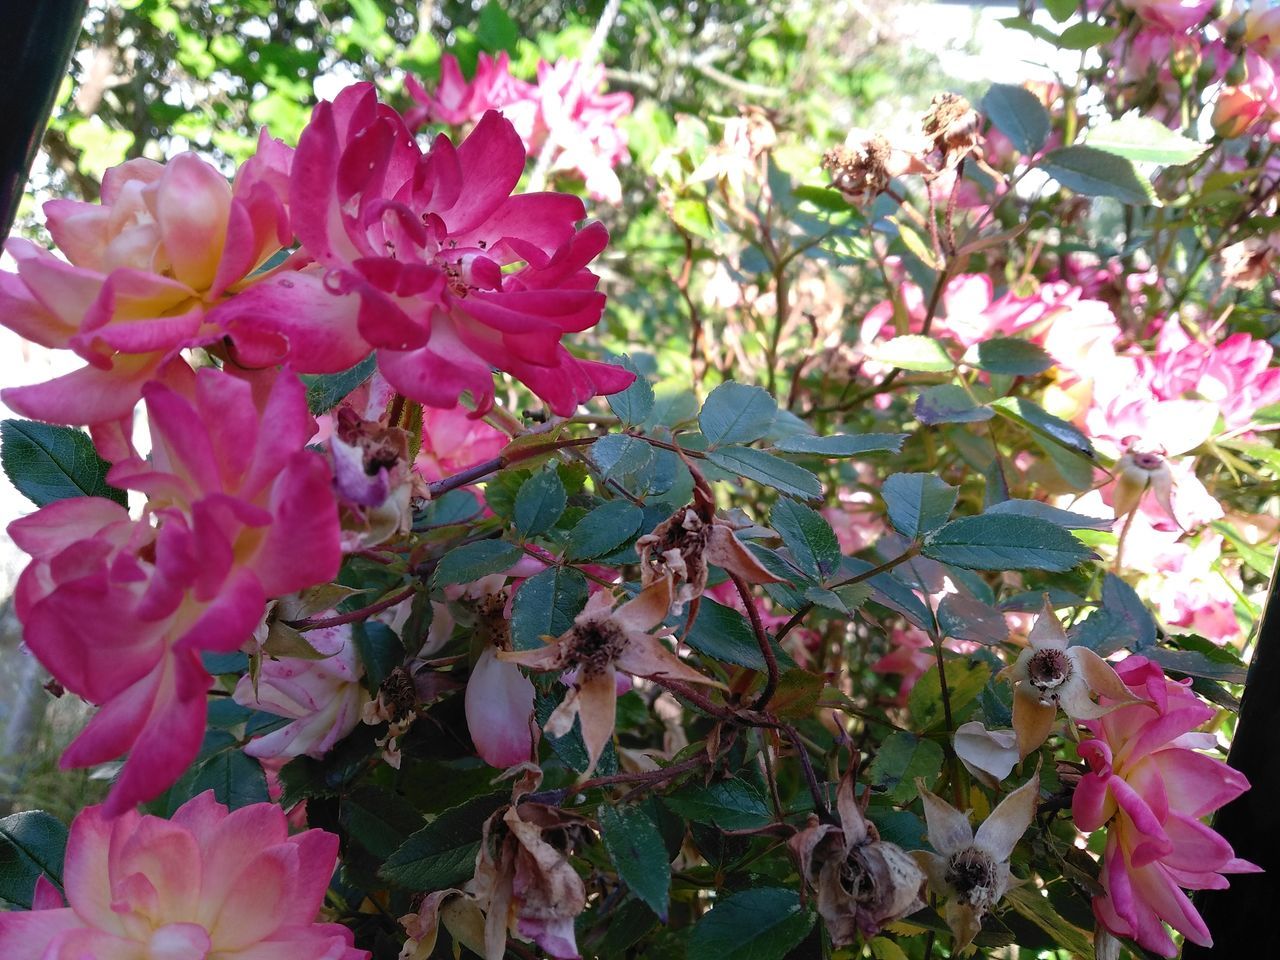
(596, 644)
(1048, 670)
(972, 873)
(1148, 461)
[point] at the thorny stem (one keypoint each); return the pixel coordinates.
(481, 470)
(762, 638)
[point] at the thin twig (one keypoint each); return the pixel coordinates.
(762, 639)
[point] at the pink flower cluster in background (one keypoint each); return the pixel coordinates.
(1150, 786)
(207, 882)
(564, 113)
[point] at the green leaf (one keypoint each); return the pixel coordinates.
(1044, 424)
(901, 758)
(808, 536)
(471, 561)
(380, 649)
(1084, 36)
(546, 604)
(1260, 560)
(635, 846)
(496, 31)
(1097, 173)
(1217, 665)
(1066, 936)
(1026, 26)
(1061, 10)
(948, 403)
(724, 634)
(918, 502)
(726, 804)
(378, 819)
(763, 923)
(913, 352)
(540, 503)
(1018, 114)
(1067, 519)
(603, 530)
(995, 542)
(966, 679)
(456, 506)
(1144, 140)
(31, 843)
(235, 778)
(1122, 620)
(619, 455)
(48, 463)
(326, 390)
(736, 413)
(443, 853)
(843, 444)
(1009, 356)
(633, 404)
(764, 468)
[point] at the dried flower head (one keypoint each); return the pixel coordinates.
(1247, 262)
(680, 548)
(971, 872)
(396, 705)
(524, 882)
(1142, 468)
(859, 172)
(601, 642)
(953, 126)
(862, 882)
(1049, 674)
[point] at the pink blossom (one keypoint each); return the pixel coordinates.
(323, 697)
(455, 101)
(578, 123)
(239, 512)
(413, 255)
(911, 657)
(1151, 788)
(499, 708)
(143, 268)
(453, 441)
(208, 882)
(1179, 15)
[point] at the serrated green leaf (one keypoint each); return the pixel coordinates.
(766, 469)
(546, 604)
(948, 403)
(727, 804)
(380, 649)
(913, 352)
(736, 413)
(1067, 519)
(619, 455)
(540, 503)
(995, 542)
(1085, 36)
(966, 679)
(918, 502)
(326, 390)
(762, 923)
(1009, 356)
(633, 404)
(1034, 418)
(47, 463)
(31, 843)
(1144, 140)
(724, 634)
(1097, 173)
(808, 536)
(901, 758)
(843, 444)
(471, 561)
(603, 530)
(443, 853)
(222, 766)
(635, 846)
(1018, 114)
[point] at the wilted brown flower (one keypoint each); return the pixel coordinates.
(601, 642)
(953, 126)
(396, 705)
(680, 548)
(1247, 262)
(860, 173)
(372, 478)
(862, 882)
(524, 882)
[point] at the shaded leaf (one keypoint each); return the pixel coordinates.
(995, 542)
(635, 846)
(763, 923)
(766, 469)
(1018, 114)
(47, 463)
(918, 502)
(736, 413)
(443, 853)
